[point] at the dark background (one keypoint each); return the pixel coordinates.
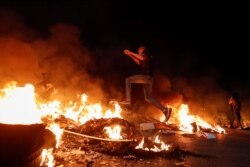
(187, 39)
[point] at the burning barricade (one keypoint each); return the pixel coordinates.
(49, 124)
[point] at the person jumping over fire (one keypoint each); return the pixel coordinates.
(144, 61)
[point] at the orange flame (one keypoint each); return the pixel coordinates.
(114, 133)
(18, 106)
(47, 158)
(158, 145)
(186, 121)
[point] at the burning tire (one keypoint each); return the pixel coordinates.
(22, 145)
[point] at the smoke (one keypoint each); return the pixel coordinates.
(17, 60)
(26, 57)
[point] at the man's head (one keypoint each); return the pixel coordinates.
(141, 49)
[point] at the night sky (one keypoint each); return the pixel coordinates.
(188, 40)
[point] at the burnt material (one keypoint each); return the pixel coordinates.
(96, 128)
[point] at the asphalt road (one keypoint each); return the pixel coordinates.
(226, 150)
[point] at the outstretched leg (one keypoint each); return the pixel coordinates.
(150, 99)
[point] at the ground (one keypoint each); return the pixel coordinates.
(226, 150)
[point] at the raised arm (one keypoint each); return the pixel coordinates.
(135, 56)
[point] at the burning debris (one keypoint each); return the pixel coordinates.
(113, 135)
(95, 127)
(76, 150)
(116, 136)
(90, 143)
(89, 127)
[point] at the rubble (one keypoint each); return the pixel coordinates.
(76, 151)
(91, 149)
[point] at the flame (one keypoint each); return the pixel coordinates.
(188, 122)
(114, 133)
(80, 112)
(47, 158)
(18, 106)
(185, 119)
(158, 145)
(57, 131)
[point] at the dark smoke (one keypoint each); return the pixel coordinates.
(25, 56)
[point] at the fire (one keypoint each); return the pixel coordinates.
(87, 112)
(185, 119)
(114, 133)
(81, 111)
(47, 158)
(57, 131)
(18, 106)
(188, 122)
(158, 145)
(163, 146)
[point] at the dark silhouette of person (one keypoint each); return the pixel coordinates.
(145, 78)
(235, 105)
